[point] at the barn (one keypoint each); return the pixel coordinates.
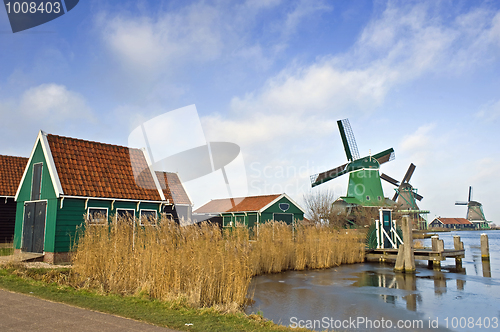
(68, 180)
(454, 223)
(252, 210)
(11, 171)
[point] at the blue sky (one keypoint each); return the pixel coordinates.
(274, 76)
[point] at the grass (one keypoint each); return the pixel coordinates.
(6, 251)
(203, 266)
(40, 283)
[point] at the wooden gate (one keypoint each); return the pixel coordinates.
(34, 226)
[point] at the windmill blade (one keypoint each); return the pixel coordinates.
(470, 193)
(350, 146)
(384, 156)
(409, 173)
(396, 195)
(328, 175)
(389, 179)
(461, 203)
(418, 197)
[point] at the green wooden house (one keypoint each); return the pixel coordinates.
(252, 210)
(70, 181)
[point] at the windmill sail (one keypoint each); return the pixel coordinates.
(405, 183)
(389, 179)
(328, 175)
(350, 146)
(384, 156)
(409, 173)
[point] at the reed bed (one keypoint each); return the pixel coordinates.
(202, 265)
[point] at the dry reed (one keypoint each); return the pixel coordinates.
(202, 265)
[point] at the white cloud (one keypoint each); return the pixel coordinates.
(50, 107)
(151, 43)
(420, 145)
(490, 111)
(54, 102)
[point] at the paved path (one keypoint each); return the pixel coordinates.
(19, 312)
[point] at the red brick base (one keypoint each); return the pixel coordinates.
(57, 257)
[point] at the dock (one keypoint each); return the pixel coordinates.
(433, 255)
(382, 255)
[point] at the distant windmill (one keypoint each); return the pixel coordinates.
(364, 186)
(405, 196)
(475, 212)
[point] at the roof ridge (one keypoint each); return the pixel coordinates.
(89, 141)
(4, 155)
(217, 199)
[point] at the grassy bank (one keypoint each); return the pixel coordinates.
(6, 251)
(203, 266)
(53, 285)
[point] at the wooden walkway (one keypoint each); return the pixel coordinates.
(420, 254)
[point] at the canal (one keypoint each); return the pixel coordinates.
(371, 297)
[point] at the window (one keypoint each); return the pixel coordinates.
(36, 182)
(227, 221)
(379, 198)
(367, 198)
(97, 216)
(148, 217)
(240, 221)
(125, 215)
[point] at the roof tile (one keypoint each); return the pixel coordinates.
(238, 204)
(11, 172)
(101, 170)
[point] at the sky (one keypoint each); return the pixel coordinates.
(273, 77)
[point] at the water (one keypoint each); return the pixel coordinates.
(357, 297)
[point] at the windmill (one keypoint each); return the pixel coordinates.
(405, 196)
(364, 186)
(475, 212)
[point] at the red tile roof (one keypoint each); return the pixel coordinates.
(93, 169)
(11, 172)
(454, 221)
(239, 204)
(172, 188)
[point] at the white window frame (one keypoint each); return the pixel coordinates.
(230, 224)
(124, 209)
(97, 208)
(149, 210)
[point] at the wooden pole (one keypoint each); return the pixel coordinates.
(436, 246)
(485, 247)
(400, 260)
(408, 243)
(458, 246)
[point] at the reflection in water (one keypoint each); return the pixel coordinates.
(486, 268)
(375, 291)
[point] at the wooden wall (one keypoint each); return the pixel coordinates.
(7, 219)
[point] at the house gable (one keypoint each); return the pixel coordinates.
(48, 184)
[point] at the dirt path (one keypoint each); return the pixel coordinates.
(19, 312)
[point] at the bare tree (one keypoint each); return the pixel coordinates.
(319, 207)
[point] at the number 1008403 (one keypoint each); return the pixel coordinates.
(47, 7)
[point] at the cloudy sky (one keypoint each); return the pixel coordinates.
(274, 76)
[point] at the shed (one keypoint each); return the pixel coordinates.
(68, 179)
(455, 223)
(11, 171)
(252, 210)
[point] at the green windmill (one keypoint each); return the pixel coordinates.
(364, 187)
